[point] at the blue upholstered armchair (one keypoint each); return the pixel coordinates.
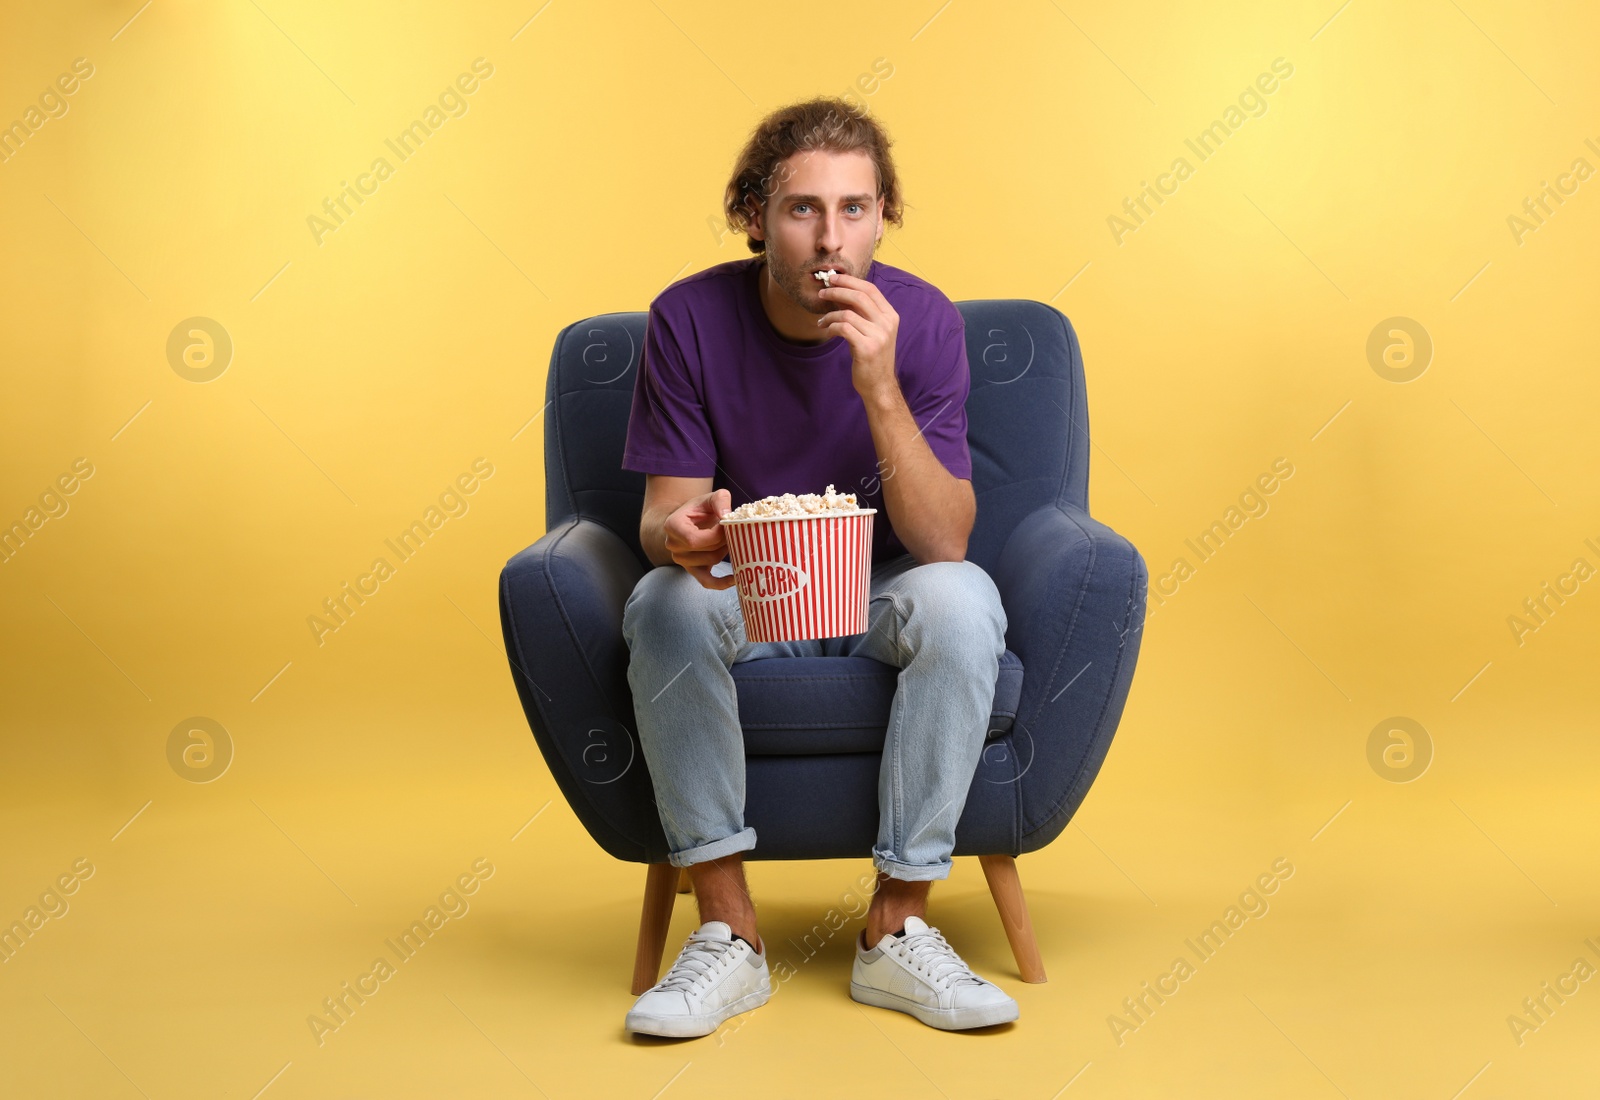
(1074, 593)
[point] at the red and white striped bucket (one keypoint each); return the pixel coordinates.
(802, 577)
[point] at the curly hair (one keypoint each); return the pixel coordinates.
(827, 124)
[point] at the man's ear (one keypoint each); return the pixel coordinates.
(879, 237)
(753, 221)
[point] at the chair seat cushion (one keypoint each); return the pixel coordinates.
(793, 706)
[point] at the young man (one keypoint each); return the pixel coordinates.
(757, 380)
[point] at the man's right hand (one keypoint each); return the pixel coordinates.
(693, 536)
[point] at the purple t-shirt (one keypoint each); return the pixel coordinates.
(721, 394)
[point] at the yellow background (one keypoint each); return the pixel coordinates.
(1228, 331)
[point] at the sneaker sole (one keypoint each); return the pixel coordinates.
(690, 1027)
(954, 1019)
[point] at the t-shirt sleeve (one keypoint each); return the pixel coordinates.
(937, 397)
(668, 431)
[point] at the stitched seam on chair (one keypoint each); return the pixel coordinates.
(560, 604)
(1074, 362)
(519, 657)
(616, 834)
(1122, 653)
(1066, 643)
(553, 419)
(1072, 622)
(522, 662)
(1073, 789)
(598, 522)
(1099, 724)
(583, 657)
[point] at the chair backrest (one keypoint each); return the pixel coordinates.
(1027, 420)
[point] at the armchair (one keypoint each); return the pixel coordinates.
(1074, 593)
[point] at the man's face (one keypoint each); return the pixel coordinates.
(824, 212)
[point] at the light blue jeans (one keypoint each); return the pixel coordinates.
(941, 624)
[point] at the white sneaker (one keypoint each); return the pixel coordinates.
(921, 974)
(714, 978)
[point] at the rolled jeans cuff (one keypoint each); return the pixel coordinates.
(912, 872)
(741, 841)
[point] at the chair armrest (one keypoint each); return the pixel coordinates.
(1074, 592)
(561, 603)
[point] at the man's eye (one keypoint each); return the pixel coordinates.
(857, 205)
(798, 205)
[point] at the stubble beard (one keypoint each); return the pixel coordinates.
(797, 281)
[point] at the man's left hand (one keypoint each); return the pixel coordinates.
(867, 320)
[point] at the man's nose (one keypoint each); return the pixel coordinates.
(830, 233)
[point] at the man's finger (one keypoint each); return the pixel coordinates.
(698, 555)
(852, 333)
(694, 540)
(857, 300)
(702, 573)
(862, 286)
(706, 513)
(693, 524)
(851, 316)
(706, 558)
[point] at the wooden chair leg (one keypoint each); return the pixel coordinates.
(659, 895)
(684, 886)
(1001, 871)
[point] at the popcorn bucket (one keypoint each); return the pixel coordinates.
(802, 577)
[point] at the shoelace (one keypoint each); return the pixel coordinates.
(696, 964)
(931, 953)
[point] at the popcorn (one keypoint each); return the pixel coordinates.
(824, 276)
(829, 503)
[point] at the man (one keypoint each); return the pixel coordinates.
(757, 380)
